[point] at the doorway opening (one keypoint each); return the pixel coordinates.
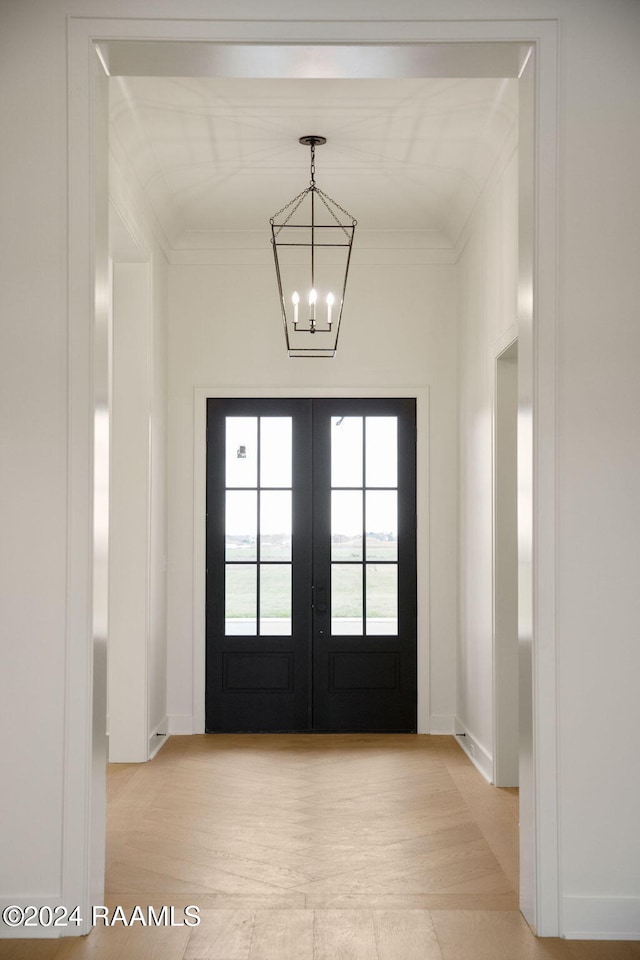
(538, 38)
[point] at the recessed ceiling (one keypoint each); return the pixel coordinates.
(217, 155)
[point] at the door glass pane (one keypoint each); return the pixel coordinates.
(382, 524)
(241, 525)
(275, 451)
(275, 525)
(242, 451)
(346, 451)
(382, 452)
(382, 598)
(346, 524)
(346, 598)
(275, 599)
(240, 599)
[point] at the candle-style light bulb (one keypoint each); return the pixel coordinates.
(313, 296)
(330, 302)
(295, 300)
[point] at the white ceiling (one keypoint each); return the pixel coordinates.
(219, 154)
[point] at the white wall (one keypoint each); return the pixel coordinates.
(488, 278)
(506, 722)
(33, 447)
(138, 588)
(158, 516)
(598, 780)
(598, 469)
(398, 330)
(129, 595)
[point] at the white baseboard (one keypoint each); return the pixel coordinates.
(158, 738)
(40, 931)
(601, 918)
(442, 724)
(480, 758)
(180, 724)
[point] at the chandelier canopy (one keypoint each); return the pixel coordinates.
(312, 236)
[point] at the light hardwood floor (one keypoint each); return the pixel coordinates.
(300, 847)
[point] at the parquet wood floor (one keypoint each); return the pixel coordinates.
(299, 847)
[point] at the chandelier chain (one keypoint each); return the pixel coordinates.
(313, 166)
(297, 200)
(324, 197)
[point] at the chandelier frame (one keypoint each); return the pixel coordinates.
(318, 236)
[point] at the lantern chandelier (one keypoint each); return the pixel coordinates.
(312, 252)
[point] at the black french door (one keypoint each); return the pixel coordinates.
(311, 565)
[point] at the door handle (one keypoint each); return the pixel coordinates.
(320, 599)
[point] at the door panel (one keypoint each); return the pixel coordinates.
(258, 566)
(311, 575)
(364, 637)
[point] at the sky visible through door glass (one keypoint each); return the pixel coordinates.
(347, 464)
